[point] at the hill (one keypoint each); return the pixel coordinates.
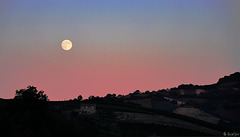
(216, 103)
(186, 110)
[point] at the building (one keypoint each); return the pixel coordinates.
(187, 91)
(199, 91)
(87, 109)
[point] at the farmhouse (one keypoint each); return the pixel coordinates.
(87, 109)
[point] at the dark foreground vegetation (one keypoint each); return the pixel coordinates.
(37, 120)
(31, 114)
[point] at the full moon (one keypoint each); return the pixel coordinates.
(66, 45)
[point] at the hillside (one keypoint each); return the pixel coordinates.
(216, 103)
(186, 110)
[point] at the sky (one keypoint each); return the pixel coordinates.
(119, 46)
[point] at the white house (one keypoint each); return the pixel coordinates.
(87, 109)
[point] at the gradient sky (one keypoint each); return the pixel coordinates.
(119, 46)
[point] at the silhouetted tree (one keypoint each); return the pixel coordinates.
(161, 91)
(186, 86)
(31, 94)
(120, 96)
(137, 92)
(147, 92)
(109, 96)
(91, 97)
(79, 98)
